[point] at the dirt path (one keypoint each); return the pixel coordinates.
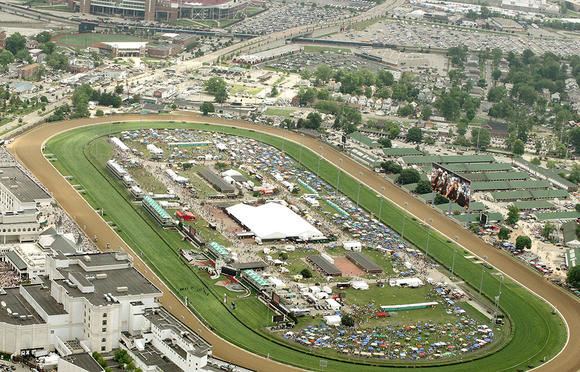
(27, 149)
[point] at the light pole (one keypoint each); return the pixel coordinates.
(428, 237)
(498, 296)
(482, 269)
(453, 261)
(338, 177)
(358, 194)
(404, 215)
(319, 158)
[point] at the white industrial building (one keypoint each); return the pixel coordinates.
(96, 302)
(273, 221)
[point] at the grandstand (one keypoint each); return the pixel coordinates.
(533, 204)
(447, 159)
(401, 151)
(218, 251)
(565, 215)
(364, 140)
(546, 174)
(528, 195)
(256, 280)
(496, 176)
(510, 185)
(157, 212)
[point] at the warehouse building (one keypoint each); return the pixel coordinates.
(322, 264)
(216, 181)
(363, 262)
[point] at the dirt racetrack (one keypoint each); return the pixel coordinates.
(27, 148)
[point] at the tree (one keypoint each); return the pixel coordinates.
(574, 175)
(119, 89)
(391, 167)
(426, 112)
(347, 320)
(547, 230)
(536, 161)
(394, 131)
(480, 137)
(217, 87)
(405, 110)
(313, 120)
(428, 140)
(577, 207)
(99, 112)
(573, 277)
(461, 141)
(440, 199)
(385, 142)
(306, 273)
(423, 187)
(43, 37)
(274, 91)
(6, 57)
(523, 242)
(323, 94)
(323, 73)
(496, 94)
(518, 147)
(504, 233)
(496, 74)
(206, 108)
(384, 78)
(407, 176)
(513, 215)
(15, 43)
(415, 134)
(305, 74)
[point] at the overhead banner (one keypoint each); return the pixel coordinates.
(450, 185)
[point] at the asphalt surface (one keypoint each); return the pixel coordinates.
(27, 148)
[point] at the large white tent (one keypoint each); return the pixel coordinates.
(274, 221)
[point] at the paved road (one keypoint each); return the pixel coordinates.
(27, 149)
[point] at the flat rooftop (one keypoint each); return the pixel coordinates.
(44, 299)
(21, 185)
(153, 357)
(129, 278)
(164, 320)
(16, 304)
(84, 361)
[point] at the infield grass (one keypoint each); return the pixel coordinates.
(537, 331)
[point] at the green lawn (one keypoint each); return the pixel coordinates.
(278, 112)
(253, 10)
(531, 318)
(88, 39)
(238, 88)
(320, 49)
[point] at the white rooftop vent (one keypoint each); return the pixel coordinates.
(87, 258)
(3, 304)
(102, 276)
(122, 289)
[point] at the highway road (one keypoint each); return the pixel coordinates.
(27, 148)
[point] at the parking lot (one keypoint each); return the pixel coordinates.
(282, 17)
(335, 60)
(419, 34)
